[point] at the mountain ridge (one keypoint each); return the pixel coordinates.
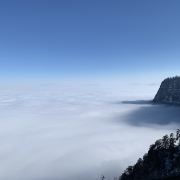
(162, 162)
(169, 92)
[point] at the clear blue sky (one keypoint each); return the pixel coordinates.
(79, 38)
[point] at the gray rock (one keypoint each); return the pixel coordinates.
(169, 91)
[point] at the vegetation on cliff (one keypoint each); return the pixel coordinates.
(169, 91)
(162, 162)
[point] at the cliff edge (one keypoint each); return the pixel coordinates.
(169, 91)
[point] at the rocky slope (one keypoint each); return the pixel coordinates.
(162, 162)
(169, 91)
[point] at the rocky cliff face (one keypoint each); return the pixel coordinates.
(169, 91)
(162, 162)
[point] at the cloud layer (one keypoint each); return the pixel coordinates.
(70, 130)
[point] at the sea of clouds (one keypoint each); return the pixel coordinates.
(78, 131)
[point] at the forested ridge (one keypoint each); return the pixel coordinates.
(162, 162)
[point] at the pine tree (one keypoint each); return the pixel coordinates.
(172, 140)
(178, 136)
(165, 142)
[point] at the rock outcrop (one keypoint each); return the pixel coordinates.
(162, 162)
(169, 91)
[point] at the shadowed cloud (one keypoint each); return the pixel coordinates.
(153, 114)
(137, 102)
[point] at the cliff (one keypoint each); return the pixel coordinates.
(162, 162)
(169, 91)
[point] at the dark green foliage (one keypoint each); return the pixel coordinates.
(162, 162)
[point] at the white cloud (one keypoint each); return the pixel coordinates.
(60, 131)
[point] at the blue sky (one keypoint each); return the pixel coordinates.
(89, 38)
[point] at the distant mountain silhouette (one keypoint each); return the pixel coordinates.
(169, 91)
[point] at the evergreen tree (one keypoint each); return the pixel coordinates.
(162, 162)
(165, 142)
(178, 136)
(172, 141)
